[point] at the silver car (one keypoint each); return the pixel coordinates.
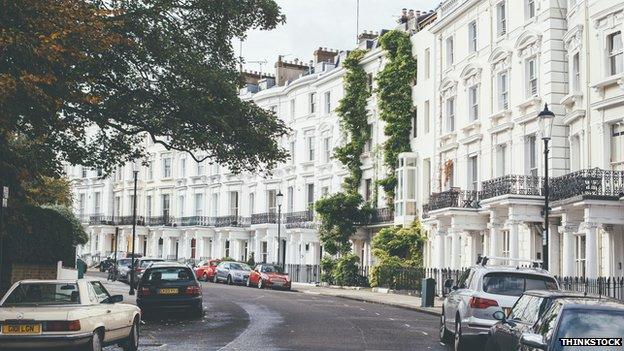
(232, 273)
(467, 311)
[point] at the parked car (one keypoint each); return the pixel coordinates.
(269, 276)
(64, 314)
(232, 273)
(169, 285)
(467, 311)
(577, 318)
(140, 265)
(206, 270)
(123, 269)
(506, 334)
(109, 261)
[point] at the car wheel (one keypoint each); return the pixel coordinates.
(445, 335)
(459, 342)
(205, 276)
(215, 279)
(229, 280)
(132, 344)
(260, 284)
(96, 342)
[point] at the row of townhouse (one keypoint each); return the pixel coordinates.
(474, 176)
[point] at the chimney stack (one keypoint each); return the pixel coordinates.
(286, 71)
(324, 55)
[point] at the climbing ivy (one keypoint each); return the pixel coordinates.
(353, 119)
(394, 92)
(341, 213)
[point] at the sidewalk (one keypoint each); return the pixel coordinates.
(116, 288)
(367, 295)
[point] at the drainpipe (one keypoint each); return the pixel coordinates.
(587, 88)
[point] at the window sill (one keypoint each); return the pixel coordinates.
(571, 99)
(609, 81)
(531, 101)
(475, 124)
(500, 114)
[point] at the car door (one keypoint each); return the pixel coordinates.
(222, 271)
(115, 316)
(454, 298)
(99, 313)
(506, 331)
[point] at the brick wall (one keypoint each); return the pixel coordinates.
(18, 271)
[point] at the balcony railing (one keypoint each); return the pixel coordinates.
(512, 185)
(302, 219)
(167, 221)
(261, 218)
(588, 183)
(382, 215)
(454, 198)
(232, 221)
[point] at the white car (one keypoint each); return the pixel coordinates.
(65, 314)
(467, 311)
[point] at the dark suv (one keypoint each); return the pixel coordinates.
(169, 285)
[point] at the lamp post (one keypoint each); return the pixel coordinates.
(546, 117)
(135, 172)
(4, 200)
(279, 197)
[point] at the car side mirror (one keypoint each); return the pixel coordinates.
(535, 341)
(115, 299)
(499, 316)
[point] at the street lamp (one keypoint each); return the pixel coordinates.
(4, 201)
(546, 118)
(279, 198)
(135, 172)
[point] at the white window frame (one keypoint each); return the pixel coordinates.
(450, 114)
(472, 36)
(312, 102)
(615, 54)
(327, 149)
(166, 162)
(199, 204)
(532, 158)
(166, 205)
(427, 116)
(501, 160)
(181, 206)
(473, 102)
(501, 18)
(616, 141)
(503, 90)
(427, 63)
(530, 9)
(576, 72)
(473, 172)
(234, 203)
(531, 76)
(310, 141)
(327, 102)
(450, 48)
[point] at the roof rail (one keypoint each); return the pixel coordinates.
(483, 260)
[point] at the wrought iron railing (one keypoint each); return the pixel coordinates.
(512, 185)
(304, 273)
(232, 221)
(166, 221)
(261, 218)
(453, 198)
(595, 182)
(195, 221)
(612, 287)
(302, 219)
(382, 215)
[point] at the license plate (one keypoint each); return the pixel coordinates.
(168, 291)
(21, 329)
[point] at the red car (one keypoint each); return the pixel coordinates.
(268, 275)
(206, 270)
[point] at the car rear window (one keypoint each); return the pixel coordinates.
(590, 323)
(170, 274)
(43, 294)
(511, 284)
(146, 263)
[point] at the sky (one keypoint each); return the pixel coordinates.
(321, 23)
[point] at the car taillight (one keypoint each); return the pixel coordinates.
(59, 326)
(478, 302)
(192, 290)
(144, 291)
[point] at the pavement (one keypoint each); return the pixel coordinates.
(381, 296)
(242, 318)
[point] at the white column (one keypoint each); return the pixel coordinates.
(514, 250)
(455, 248)
(553, 250)
(200, 246)
(167, 249)
(440, 253)
(567, 269)
(101, 244)
(495, 233)
(591, 249)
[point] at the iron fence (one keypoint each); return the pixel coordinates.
(512, 185)
(304, 273)
(404, 278)
(612, 287)
(261, 218)
(302, 219)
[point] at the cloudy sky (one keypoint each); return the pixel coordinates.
(324, 23)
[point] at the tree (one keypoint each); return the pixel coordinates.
(86, 81)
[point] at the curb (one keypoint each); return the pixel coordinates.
(360, 299)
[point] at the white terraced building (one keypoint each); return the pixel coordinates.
(475, 176)
(191, 210)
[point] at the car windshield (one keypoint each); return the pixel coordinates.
(515, 284)
(44, 294)
(167, 274)
(239, 267)
(589, 323)
(272, 269)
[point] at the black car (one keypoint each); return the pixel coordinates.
(547, 322)
(169, 285)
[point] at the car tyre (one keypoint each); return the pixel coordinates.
(459, 341)
(445, 334)
(95, 344)
(229, 280)
(132, 344)
(205, 276)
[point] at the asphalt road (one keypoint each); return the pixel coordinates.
(241, 318)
